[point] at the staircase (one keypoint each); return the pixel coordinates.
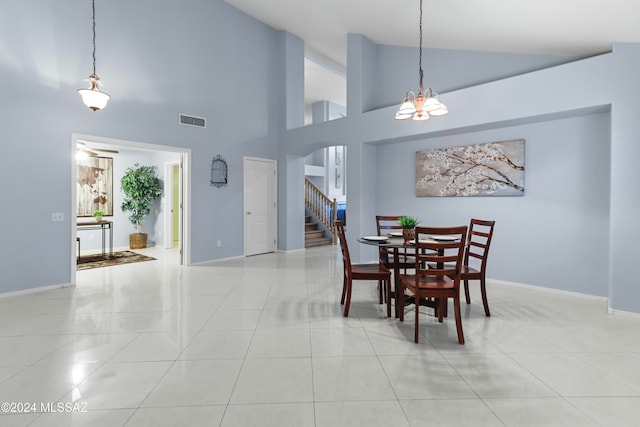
(323, 211)
(314, 236)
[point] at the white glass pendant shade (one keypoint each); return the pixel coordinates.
(407, 108)
(93, 97)
(432, 103)
(421, 116)
(442, 111)
(400, 116)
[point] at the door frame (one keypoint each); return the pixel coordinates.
(274, 184)
(185, 259)
(168, 208)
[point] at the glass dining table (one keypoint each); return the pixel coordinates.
(396, 244)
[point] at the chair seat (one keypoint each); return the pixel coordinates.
(403, 259)
(469, 272)
(464, 271)
(403, 262)
(369, 271)
(427, 282)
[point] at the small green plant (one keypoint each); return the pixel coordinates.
(98, 213)
(408, 222)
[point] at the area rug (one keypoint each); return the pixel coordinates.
(121, 257)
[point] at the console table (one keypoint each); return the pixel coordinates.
(99, 225)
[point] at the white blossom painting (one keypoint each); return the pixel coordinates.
(493, 169)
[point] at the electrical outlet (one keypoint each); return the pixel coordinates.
(219, 243)
(57, 216)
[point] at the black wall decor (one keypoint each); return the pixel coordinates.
(219, 171)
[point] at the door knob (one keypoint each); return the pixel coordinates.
(248, 213)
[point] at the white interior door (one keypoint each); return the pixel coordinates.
(259, 206)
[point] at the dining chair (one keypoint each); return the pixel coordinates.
(386, 224)
(438, 264)
(360, 272)
(478, 242)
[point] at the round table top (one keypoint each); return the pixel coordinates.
(391, 242)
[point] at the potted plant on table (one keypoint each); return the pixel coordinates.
(98, 214)
(408, 224)
(141, 188)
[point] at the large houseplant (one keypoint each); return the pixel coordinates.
(141, 188)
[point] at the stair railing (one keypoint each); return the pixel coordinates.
(323, 208)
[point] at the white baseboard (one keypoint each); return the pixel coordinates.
(291, 251)
(34, 290)
(624, 313)
(217, 260)
(550, 290)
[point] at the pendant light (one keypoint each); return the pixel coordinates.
(93, 97)
(426, 103)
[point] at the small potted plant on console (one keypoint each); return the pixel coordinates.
(98, 214)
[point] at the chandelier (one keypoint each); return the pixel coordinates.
(93, 97)
(426, 103)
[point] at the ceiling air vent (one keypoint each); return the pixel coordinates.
(192, 121)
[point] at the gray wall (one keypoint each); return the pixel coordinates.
(563, 119)
(205, 58)
(396, 70)
(564, 211)
(178, 59)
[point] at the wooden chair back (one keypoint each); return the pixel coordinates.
(478, 242)
(386, 224)
(440, 258)
(353, 272)
(346, 259)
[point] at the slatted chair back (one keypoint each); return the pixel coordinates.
(479, 240)
(440, 257)
(346, 258)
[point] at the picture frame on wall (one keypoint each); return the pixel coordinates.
(336, 172)
(94, 184)
(491, 169)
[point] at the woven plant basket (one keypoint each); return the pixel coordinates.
(138, 240)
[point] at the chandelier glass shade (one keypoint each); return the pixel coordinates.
(426, 103)
(93, 97)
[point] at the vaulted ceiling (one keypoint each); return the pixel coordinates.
(552, 27)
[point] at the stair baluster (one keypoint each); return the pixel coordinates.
(323, 208)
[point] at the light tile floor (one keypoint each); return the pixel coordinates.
(261, 341)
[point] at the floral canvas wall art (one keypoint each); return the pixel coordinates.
(493, 169)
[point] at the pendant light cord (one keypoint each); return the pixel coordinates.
(420, 73)
(94, 36)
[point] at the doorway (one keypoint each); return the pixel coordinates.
(260, 205)
(173, 206)
(183, 192)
